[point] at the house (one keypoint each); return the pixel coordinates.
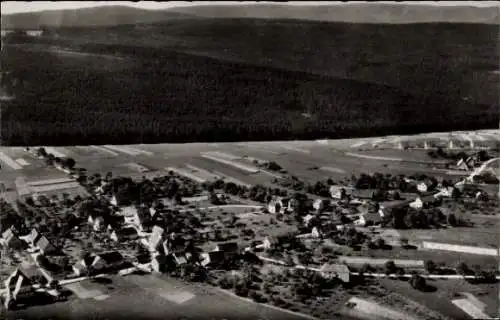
(99, 224)
(45, 246)
(11, 240)
(447, 192)
(212, 258)
(293, 205)
(363, 194)
(423, 202)
(17, 286)
(111, 260)
(33, 237)
(83, 266)
(370, 218)
(335, 271)
(340, 192)
(274, 207)
(229, 248)
(156, 239)
(207, 234)
(426, 185)
(482, 196)
(466, 164)
(124, 234)
(319, 205)
(316, 233)
(180, 259)
(387, 207)
(143, 220)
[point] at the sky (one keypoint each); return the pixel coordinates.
(8, 7)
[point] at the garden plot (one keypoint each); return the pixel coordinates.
(104, 150)
(332, 170)
(380, 261)
(128, 150)
(187, 174)
(54, 187)
(49, 182)
(136, 167)
(228, 178)
(84, 293)
(22, 162)
(460, 248)
(208, 175)
(470, 308)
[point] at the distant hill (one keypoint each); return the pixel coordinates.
(88, 17)
(356, 13)
(352, 12)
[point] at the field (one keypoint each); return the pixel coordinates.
(148, 297)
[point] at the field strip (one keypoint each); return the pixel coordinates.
(57, 153)
(223, 155)
(122, 149)
(82, 292)
(372, 157)
(358, 144)
(460, 248)
(493, 136)
(296, 149)
(469, 308)
(148, 153)
(474, 300)
(186, 174)
(22, 162)
(203, 171)
(331, 169)
(105, 150)
(9, 161)
(247, 168)
(480, 137)
(377, 141)
(50, 181)
(234, 180)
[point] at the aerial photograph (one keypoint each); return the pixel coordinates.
(229, 160)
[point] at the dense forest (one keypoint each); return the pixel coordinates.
(125, 94)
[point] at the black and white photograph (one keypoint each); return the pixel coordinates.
(250, 160)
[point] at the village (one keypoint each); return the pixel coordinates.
(287, 245)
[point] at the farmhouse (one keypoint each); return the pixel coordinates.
(370, 218)
(11, 240)
(338, 271)
(84, 265)
(111, 261)
(230, 249)
(340, 192)
(466, 164)
(363, 194)
(423, 202)
(446, 192)
(274, 207)
(45, 246)
(387, 207)
(159, 263)
(124, 234)
(212, 258)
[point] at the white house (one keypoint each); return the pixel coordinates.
(318, 205)
(372, 218)
(307, 219)
(445, 193)
(315, 233)
(114, 201)
(338, 192)
(156, 239)
(99, 224)
(424, 186)
(339, 271)
(421, 202)
(274, 207)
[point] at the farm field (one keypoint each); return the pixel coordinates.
(148, 297)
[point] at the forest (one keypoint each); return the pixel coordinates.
(158, 95)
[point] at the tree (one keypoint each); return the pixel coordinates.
(70, 163)
(418, 282)
(390, 267)
(452, 220)
(41, 152)
(430, 266)
(462, 269)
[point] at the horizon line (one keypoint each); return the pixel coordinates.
(20, 7)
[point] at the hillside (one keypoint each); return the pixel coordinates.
(348, 12)
(131, 94)
(86, 17)
(352, 12)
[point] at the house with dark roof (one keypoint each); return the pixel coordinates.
(45, 246)
(340, 192)
(159, 262)
(84, 266)
(212, 259)
(335, 271)
(426, 185)
(11, 239)
(423, 202)
(370, 218)
(387, 207)
(109, 261)
(229, 248)
(363, 194)
(124, 234)
(156, 239)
